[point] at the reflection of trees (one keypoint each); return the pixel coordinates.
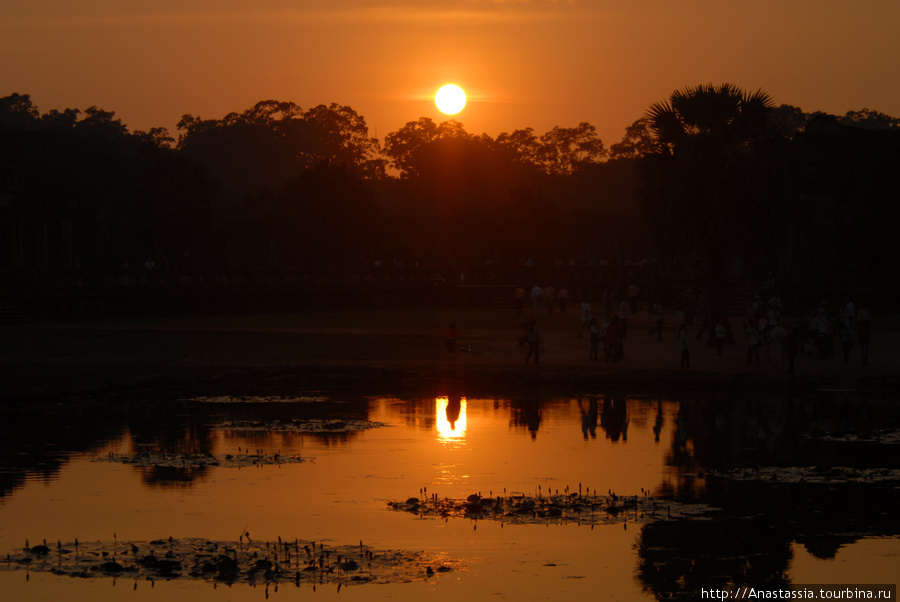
(678, 558)
(171, 428)
(37, 440)
(274, 441)
(821, 516)
(750, 543)
(418, 412)
(172, 477)
(191, 428)
(725, 432)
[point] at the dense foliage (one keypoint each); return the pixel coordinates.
(279, 185)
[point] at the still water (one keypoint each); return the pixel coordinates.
(814, 502)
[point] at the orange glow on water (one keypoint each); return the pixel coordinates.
(525, 444)
(450, 418)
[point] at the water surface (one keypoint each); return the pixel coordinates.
(57, 484)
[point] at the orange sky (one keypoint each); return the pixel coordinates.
(524, 63)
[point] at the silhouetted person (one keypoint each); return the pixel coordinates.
(537, 295)
(753, 341)
(720, 337)
(534, 342)
(528, 414)
(793, 345)
(589, 418)
(549, 298)
(682, 345)
(615, 418)
(523, 338)
(864, 322)
(657, 425)
(825, 334)
(595, 340)
(534, 417)
(585, 317)
(563, 297)
(633, 291)
(450, 340)
(624, 313)
(658, 314)
(847, 339)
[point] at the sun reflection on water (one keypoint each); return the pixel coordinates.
(450, 418)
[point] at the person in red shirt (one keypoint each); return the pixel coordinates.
(450, 340)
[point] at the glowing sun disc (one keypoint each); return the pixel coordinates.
(450, 99)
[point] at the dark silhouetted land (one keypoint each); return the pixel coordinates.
(399, 348)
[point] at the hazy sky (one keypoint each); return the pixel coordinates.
(524, 63)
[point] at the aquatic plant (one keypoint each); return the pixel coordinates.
(581, 507)
(280, 562)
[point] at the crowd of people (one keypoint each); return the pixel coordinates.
(765, 332)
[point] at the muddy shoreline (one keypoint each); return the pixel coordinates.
(55, 362)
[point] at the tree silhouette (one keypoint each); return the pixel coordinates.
(565, 150)
(406, 147)
(255, 152)
(637, 141)
(523, 146)
(711, 185)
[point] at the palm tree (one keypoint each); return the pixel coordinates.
(710, 184)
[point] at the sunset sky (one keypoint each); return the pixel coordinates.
(524, 63)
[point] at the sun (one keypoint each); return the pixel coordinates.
(450, 99)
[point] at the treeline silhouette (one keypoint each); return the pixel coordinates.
(277, 185)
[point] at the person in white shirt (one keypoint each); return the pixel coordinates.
(537, 293)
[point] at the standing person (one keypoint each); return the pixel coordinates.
(682, 345)
(633, 292)
(690, 306)
(658, 314)
(586, 317)
(450, 340)
(847, 339)
(624, 312)
(563, 297)
(537, 293)
(864, 321)
(824, 338)
(594, 331)
(753, 341)
(849, 311)
(606, 302)
(775, 301)
(520, 300)
(793, 345)
(720, 337)
(595, 339)
(601, 332)
(549, 298)
(534, 342)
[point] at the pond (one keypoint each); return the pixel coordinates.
(534, 496)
